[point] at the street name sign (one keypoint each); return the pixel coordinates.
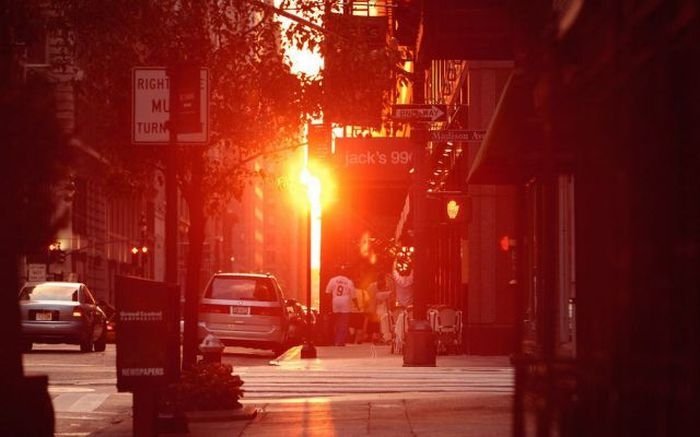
(151, 107)
(419, 113)
(457, 135)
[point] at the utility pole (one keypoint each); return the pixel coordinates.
(171, 186)
(185, 89)
(419, 349)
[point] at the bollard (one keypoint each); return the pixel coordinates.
(419, 348)
(212, 349)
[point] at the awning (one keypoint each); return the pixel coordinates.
(508, 151)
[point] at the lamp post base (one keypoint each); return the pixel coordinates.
(419, 349)
(308, 350)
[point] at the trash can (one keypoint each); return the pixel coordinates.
(419, 347)
(212, 349)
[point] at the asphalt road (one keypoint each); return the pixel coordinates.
(83, 385)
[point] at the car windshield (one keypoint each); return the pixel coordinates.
(49, 292)
(242, 289)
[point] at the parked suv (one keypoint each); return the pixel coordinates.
(245, 309)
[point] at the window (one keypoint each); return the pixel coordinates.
(88, 297)
(240, 288)
(49, 292)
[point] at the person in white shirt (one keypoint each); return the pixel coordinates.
(403, 280)
(403, 284)
(342, 289)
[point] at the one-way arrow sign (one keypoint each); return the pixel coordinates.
(419, 113)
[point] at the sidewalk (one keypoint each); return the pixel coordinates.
(462, 414)
(367, 354)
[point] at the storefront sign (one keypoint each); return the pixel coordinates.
(374, 159)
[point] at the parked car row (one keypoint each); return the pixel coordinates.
(241, 309)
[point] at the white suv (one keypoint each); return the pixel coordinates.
(245, 309)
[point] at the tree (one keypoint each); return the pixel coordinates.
(257, 105)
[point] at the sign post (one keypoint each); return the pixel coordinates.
(152, 103)
(36, 272)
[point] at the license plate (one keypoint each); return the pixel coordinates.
(43, 315)
(240, 310)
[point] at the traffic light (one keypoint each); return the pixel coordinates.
(56, 254)
(139, 255)
(506, 243)
(447, 207)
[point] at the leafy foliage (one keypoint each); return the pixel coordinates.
(204, 387)
(257, 105)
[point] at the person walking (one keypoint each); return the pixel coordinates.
(379, 294)
(342, 290)
(403, 283)
(358, 316)
(403, 280)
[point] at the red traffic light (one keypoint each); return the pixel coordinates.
(505, 243)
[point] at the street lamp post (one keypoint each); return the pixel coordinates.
(308, 350)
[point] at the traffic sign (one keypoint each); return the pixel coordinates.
(419, 113)
(151, 107)
(457, 135)
(36, 272)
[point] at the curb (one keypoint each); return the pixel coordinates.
(292, 353)
(243, 413)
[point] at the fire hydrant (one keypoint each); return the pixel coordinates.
(212, 349)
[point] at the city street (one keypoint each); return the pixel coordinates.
(470, 218)
(357, 379)
(83, 386)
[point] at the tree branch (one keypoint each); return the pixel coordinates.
(292, 17)
(260, 153)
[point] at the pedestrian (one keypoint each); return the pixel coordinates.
(403, 280)
(379, 295)
(358, 319)
(402, 275)
(342, 290)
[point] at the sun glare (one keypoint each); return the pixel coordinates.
(301, 61)
(304, 61)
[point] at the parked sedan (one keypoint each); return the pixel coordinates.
(62, 312)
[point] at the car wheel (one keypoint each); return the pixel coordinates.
(101, 343)
(86, 345)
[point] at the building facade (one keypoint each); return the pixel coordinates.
(594, 132)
